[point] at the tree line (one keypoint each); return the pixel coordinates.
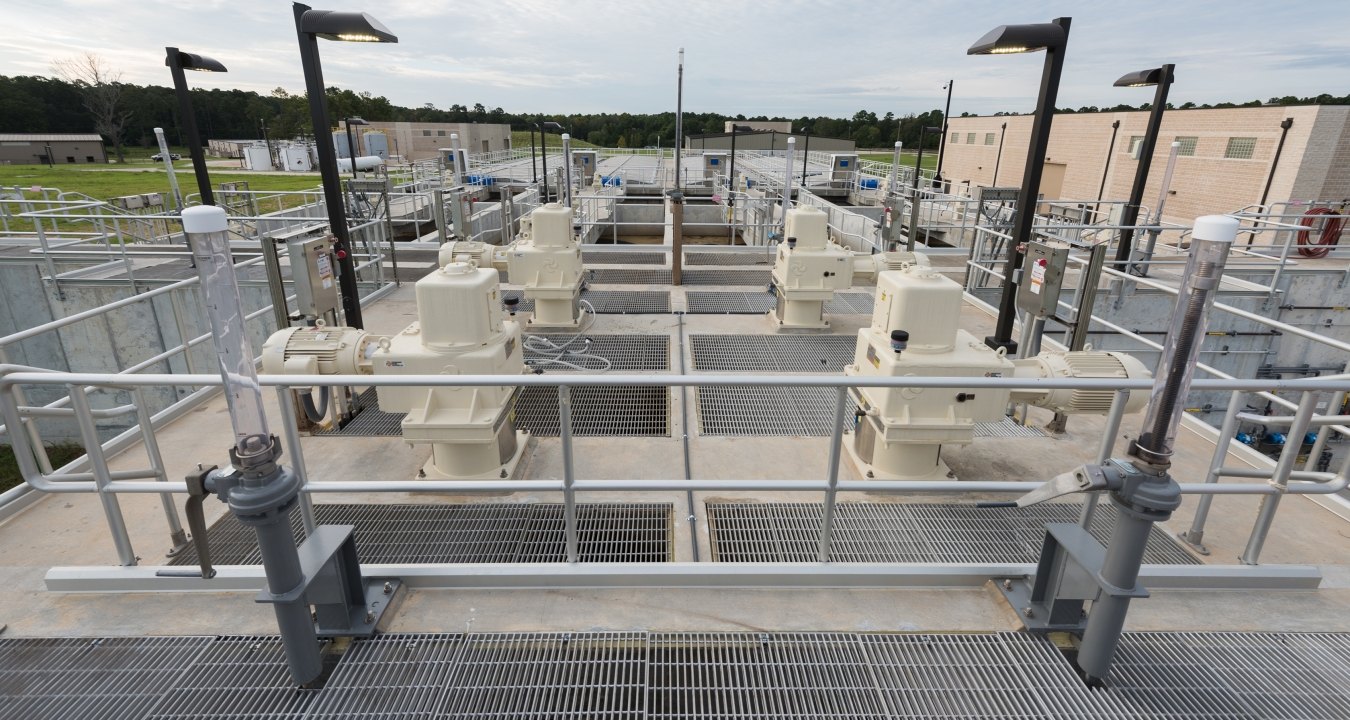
(35, 104)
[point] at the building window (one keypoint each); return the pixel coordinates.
(956, 137)
(70, 158)
(989, 138)
(1132, 147)
(426, 133)
(1187, 148)
(440, 133)
(1240, 148)
(88, 158)
(970, 138)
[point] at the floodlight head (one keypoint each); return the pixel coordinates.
(192, 61)
(356, 121)
(932, 129)
(554, 125)
(345, 26)
(742, 128)
(1006, 39)
(1144, 78)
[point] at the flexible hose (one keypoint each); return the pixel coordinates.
(1328, 237)
(316, 414)
(554, 352)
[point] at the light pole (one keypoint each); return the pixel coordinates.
(534, 164)
(942, 144)
(543, 153)
(1053, 38)
(731, 183)
(351, 143)
(1110, 148)
(806, 151)
(310, 25)
(914, 188)
(1162, 78)
(179, 61)
(679, 119)
(998, 159)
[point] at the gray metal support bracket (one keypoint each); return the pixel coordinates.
(1068, 574)
(345, 603)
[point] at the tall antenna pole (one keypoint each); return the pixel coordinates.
(679, 120)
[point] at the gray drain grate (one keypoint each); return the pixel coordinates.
(729, 410)
(760, 257)
(549, 675)
(717, 276)
(708, 302)
(90, 677)
(618, 411)
(237, 677)
(623, 257)
(471, 533)
(896, 532)
(624, 352)
(610, 302)
(390, 676)
(772, 353)
(760, 675)
(627, 276)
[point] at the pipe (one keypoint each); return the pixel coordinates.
(1285, 124)
(567, 170)
(460, 159)
(787, 180)
(998, 159)
(679, 120)
(692, 517)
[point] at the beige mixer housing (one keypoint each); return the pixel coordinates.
(900, 432)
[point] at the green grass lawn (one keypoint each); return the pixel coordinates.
(906, 158)
(520, 140)
(106, 181)
(9, 468)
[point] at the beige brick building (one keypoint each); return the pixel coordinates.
(1225, 159)
(420, 141)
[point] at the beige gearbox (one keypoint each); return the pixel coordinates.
(808, 269)
(900, 432)
(461, 331)
(546, 261)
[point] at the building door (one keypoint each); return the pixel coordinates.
(1052, 182)
(486, 148)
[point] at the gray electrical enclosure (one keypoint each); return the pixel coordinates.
(312, 270)
(1042, 278)
(714, 164)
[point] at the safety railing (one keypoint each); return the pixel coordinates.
(1280, 480)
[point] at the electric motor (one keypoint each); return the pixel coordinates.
(1081, 364)
(318, 350)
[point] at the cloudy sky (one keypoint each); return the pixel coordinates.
(781, 57)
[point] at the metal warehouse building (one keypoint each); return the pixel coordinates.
(57, 149)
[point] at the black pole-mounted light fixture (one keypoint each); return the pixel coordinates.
(1161, 77)
(310, 25)
(178, 61)
(1052, 37)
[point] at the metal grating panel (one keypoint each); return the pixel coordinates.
(90, 677)
(705, 302)
(850, 303)
(717, 276)
(760, 675)
(628, 302)
(469, 533)
(627, 276)
(624, 353)
(610, 302)
(390, 676)
(237, 677)
(906, 532)
(549, 675)
(623, 257)
(371, 421)
(618, 411)
(1007, 427)
(759, 257)
(759, 410)
(772, 353)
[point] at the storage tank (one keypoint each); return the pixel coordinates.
(258, 158)
(377, 144)
(296, 158)
(340, 144)
(365, 162)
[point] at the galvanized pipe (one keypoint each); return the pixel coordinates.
(177, 537)
(1279, 480)
(1196, 535)
(112, 509)
(569, 472)
(832, 481)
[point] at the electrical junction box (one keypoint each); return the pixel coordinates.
(1042, 278)
(714, 164)
(584, 164)
(449, 159)
(314, 272)
(843, 167)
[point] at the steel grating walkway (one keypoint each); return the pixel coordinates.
(907, 533)
(771, 353)
(617, 411)
(610, 302)
(623, 257)
(469, 533)
(705, 302)
(626, 352)
(687, 675)
(764, 256)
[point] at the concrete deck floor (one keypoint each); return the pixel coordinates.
(70, 530)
